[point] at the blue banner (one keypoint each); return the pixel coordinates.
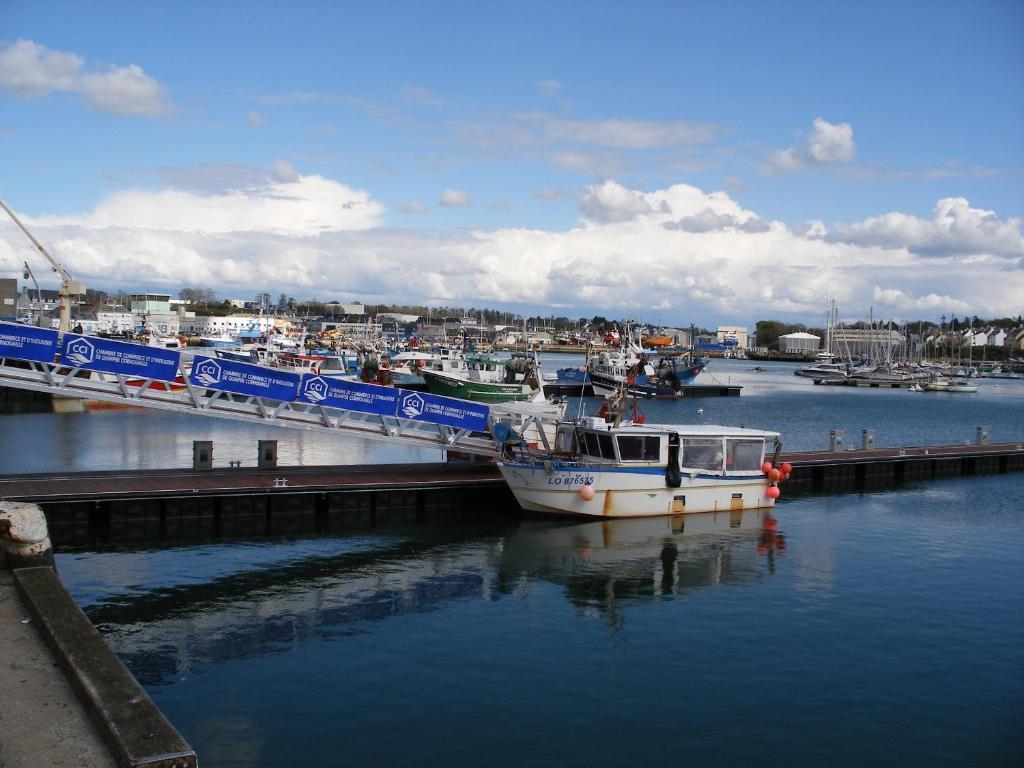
(349, 395)
(244, 378)
(26, 342)
(97, 354)
(442, 410)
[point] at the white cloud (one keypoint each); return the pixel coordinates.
(413, 207)
(30, 70)
(709, 221)
(454, 198)
(813, 229)
(955, 229)
(827, 144)
(610, 202)
(289, 204)
(679, 254)
(285, 172)
(901, 301)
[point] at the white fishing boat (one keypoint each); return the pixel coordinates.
(407, 367)
(824, 371)
(962, 386)
(936, 383)
(600, 469)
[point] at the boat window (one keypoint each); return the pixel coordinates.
(565, 441)
(598, 445)
(702, 453)
(639, 447)
(743, 455)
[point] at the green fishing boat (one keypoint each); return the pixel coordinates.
(481, 391)
(486, 380)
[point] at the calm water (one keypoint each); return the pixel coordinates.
(775, 399)
(864, 630)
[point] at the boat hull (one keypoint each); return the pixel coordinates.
(478, 391)
(625, 493)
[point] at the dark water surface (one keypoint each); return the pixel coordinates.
(883, 629)
(775, 399)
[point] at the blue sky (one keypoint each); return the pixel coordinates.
(658, 159)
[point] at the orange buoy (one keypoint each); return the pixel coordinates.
(772, 492)
(766, 467)
(774, 475)
(786, 467)
(587, 492)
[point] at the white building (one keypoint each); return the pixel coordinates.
(229, 325)
(799, 342)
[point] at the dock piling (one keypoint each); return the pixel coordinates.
(267, 454)
(835, 440)
(982, 438)
(202, 454)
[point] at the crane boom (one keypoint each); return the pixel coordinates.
(68, 286)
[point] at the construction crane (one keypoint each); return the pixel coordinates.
(68, 286)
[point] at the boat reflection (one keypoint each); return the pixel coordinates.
(604, 563)
(164, 633)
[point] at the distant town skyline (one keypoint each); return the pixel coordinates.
(671, 162)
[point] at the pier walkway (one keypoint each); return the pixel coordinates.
(42, 721)
(94, 508)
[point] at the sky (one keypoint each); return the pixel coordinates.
(675, 163)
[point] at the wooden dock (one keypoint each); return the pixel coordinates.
(90, 508)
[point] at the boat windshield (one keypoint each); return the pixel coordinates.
(639, 447)
(701, 453)
(598, 445)
(744, 455)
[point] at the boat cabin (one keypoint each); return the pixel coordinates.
(702, 449)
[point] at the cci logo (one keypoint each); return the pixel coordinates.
(315, 389)
(80, 352)
(412, 405)
(207, 372)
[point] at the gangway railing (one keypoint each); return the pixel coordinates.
(71, 365)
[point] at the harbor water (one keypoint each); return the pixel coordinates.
(871, 629)
(862, 630)
(132, 438)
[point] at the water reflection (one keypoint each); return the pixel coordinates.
(165, 632)
(603, 564)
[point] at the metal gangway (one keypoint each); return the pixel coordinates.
(58, 366)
